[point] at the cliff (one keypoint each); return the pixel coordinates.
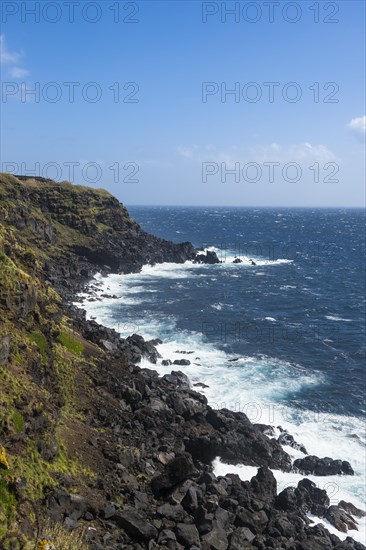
(96, 452)
(77, 230)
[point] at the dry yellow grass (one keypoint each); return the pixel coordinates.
(56, 537)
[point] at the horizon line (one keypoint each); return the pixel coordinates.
(242, 206)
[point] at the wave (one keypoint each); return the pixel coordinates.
(228, 256)
(263, 387)
(336, 318)
(285, 479)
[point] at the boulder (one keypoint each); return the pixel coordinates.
(190, 501)
(255, 521)
(264, 484)
(209, 257)
(187, 535)
(322, 466)
(168, 538)
(178, 379)
(182, 362)
(174, 512)
(351, 509)
(176, 471)
(286, 500)
(135, 525)
(341, 519)
(310, 498)
(138, 345)
(240, 538)
(215, 540)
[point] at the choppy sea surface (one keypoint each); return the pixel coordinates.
(282, 340)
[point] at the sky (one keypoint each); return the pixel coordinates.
(253, 103)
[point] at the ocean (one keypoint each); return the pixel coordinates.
(279, 336)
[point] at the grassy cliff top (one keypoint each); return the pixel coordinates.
(84, 208)
(56, 218)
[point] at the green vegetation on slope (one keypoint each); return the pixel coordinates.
(42, 358)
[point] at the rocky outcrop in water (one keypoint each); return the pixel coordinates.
(91, 440)
(323, 466)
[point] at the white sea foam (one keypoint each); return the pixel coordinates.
(228, 256)
(246, 261)
(285, 287)
(258, 386)
(285, 479)
(336, 318)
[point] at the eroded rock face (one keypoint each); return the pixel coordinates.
(237, 441)
(106, 238)
(151, 439)
(19, 301)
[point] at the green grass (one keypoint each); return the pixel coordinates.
(18, 421)
(41, 475)
(7, 506)
(10, 418)
(39, 339)
(70, 343)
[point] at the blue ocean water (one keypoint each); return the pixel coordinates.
(282, 340)
(309, 310)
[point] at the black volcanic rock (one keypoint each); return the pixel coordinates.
(135, 525)
(209, 257)
(177, 470)
(182, 362)
(287, 439)
(340, 519)
(322, 466)
(264, 484)
(105, 447)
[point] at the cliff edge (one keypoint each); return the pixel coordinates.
(96, 452)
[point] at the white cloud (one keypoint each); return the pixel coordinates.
(18, 72)
(11, 59)
(154, 163)
(358, 126)
(186, 152)
(5, 55)
(300, 153)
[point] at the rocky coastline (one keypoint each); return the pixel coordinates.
(128, 454)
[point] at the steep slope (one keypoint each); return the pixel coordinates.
(96, 452)
(53, 234)
(80, 230)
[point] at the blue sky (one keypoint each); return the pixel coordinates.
(173, 136)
